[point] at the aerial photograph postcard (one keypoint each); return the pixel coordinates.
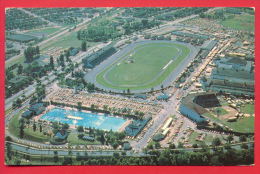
(143, 86)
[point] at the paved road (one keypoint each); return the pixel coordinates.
(93, 153)
(74, 152)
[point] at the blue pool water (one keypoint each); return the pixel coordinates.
(97, 121)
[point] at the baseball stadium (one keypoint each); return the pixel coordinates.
(142, 66)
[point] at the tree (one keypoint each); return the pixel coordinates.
(128, 91)
(9, 151)
(67, 54)
(55, 158)
(244, 146)
(230, 138)
(34, 127)
(242, 138)
(157, 145)
(20, 69)
(172, 146)
(40, 128)
(51, 62)
(84, 46)
(37, 50)
(61, 58)
(79, 105)
(116, 155)
(65, 126)
(30, 52)
(78, 35)
(80, 129)
(162, 87)
(21, 131)
(180, 145)
(195, 145)
(102, 139)
(216, 142)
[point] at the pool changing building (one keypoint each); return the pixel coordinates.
(232, 75)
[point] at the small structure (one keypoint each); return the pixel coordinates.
(167, 123)
(141, 96)
(37, 108)
(127, 146)
(163, 97)
(27, 114)
(158, 137)
(88, 138)
(74, 51)
(61, 136)
(136, 126)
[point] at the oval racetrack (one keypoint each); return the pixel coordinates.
(143, 65)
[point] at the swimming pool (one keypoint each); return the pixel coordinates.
(79, 118)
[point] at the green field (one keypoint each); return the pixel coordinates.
(147, 69)
(244, 125)
(220, 111)
(74, 140)
(47, 30)
(248, 109)
(29, 134)
(243, 22)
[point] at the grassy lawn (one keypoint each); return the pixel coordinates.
(74, 140)
(192, 137)
(243, 22)
(13, 126)
(66, 42)
(144, 72)
(47, 30)
(208, 139)
(28, 132)
(248, 109)
(69, 40)
(245, 124)
(220, 111)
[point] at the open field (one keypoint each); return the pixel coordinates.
(47, 30)
(244, 22)
(69, 40)
(29, 134)
(74, 140)
(220, 111)
(245, 124)
(248, 109)
(144, 66)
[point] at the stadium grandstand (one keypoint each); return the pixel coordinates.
(193, 106)
(96, 58)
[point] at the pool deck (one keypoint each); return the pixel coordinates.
(122, 128)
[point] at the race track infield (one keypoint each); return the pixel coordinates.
(141, 66)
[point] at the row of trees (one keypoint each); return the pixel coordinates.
(105, 138)
(98, 32)
(31, 52)
(138, 25)
(17, 19)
